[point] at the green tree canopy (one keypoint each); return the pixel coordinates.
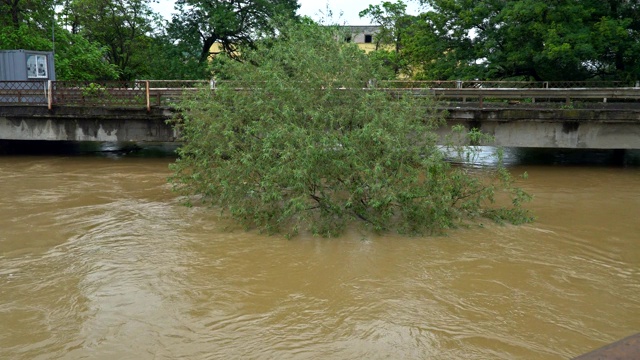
(33, 25)
(80, 59)
(297, 141)
(26, 24)
(16, 13)
(123, 27)
(392, 21)
(541, 40)
(389, 17)
(198, 24)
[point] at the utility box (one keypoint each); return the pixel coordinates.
(26, 65)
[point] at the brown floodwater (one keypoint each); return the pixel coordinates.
(99, 260)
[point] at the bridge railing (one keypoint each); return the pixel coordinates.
(23, 92)
(99, 93)
(148, 93)
(167, 92)
(531, 95)
(482, 84)
(136, 93)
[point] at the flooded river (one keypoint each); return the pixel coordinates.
(98, 260)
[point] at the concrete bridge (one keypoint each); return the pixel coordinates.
(86, 123)
(604, 128)
(139, 113)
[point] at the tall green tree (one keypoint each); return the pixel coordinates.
(616, 38)
(392, 20)
(294, 142)
(530, 39)
(124, 27)
(34, 25)
(16, 13)
(169, 60)
(388, 17)
(77, 58)
(26, 24)
(199, 24)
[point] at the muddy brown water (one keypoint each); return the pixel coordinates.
(99, 260)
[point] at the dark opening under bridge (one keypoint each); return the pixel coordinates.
(518, 114)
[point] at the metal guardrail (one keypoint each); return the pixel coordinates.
(526, 94)
(148, 93)
(139, 93)
(479, 84)
(167, 92)
(23, 92)
(98, 93)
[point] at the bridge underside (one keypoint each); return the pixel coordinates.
(546, 128)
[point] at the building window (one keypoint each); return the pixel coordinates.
(37, 66)
(347, 39)
(368, 38)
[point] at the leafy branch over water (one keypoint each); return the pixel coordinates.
(297, 142)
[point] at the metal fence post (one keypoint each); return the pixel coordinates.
(146, 85)
(49, 94)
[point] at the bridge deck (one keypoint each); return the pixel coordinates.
(604, 118)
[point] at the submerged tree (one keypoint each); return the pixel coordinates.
(298, 142)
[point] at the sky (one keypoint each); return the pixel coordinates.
(314, 9)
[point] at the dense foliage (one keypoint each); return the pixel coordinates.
(299, 142)
(392, 20)
(199, 24)
(122, 27)
(126, 39)
(530, 39)
(31, 25)
(452, 39)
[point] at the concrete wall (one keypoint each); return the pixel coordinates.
(85, 124)
(572, 129)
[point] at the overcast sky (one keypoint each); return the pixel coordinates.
(313, 8)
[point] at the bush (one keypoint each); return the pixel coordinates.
(298, 142)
